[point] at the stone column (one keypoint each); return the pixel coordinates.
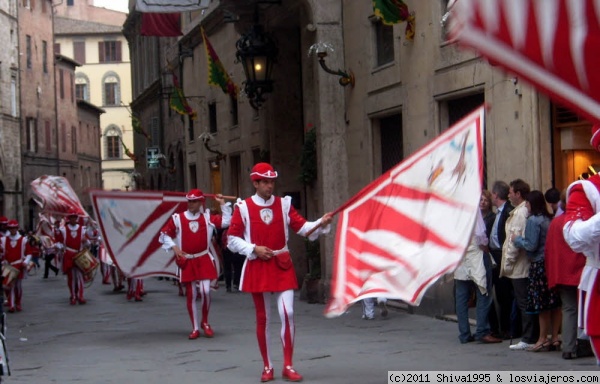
(331, 126)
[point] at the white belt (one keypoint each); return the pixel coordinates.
(280, 251)
(193, 256)
(17, 262)
(71, 249)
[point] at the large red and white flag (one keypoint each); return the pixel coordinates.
(56, 197)
(130, 223)
(553, 44)
(409, 227)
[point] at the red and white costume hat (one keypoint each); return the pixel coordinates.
(195, 194)
(262, 171)
(13, 224)
(3, 220)
(595, 140)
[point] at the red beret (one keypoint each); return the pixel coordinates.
(262, 171)
(13, 224)
(3, 220)
(195, 194)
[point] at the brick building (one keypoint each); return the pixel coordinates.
(11, 182)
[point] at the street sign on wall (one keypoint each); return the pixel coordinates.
(153, 157)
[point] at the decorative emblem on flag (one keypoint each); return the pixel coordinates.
(138, 252)
(266, 215)
(412, 225)
(194, 226)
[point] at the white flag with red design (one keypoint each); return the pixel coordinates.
(56, 197)
(412, 225)
(553, 44)
(130, 224)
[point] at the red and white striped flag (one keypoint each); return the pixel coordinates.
(56, 197)
(130, 223)
(553, 44)
(409, 227)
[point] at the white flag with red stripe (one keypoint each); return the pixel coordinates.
(409, 227)
(553, 44)
(56, 197)
(130, 223)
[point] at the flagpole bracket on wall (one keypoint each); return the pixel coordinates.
(206, 138)
(346, 77)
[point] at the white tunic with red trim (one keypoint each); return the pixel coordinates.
(582, 233)
(265, 223)
(192, 233)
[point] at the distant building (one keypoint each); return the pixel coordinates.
(93, 37)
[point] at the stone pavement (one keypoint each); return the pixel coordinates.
(110, 340)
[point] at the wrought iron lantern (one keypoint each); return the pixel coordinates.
(257, 52)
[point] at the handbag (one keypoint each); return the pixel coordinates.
(284, 261)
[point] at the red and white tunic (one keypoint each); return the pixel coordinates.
(192, 233)
(74, 239)
(15, 252)
(265, 223)
(582, 233)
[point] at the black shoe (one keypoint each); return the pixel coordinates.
(228, 289)
(584, 348)
(568, 355)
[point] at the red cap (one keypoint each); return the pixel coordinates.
(72, 212)
(3, 220)
(595, 140)
(262, 171)
(195, 194)
(13, 224)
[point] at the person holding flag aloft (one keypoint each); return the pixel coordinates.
(189, 235)
(259, 231)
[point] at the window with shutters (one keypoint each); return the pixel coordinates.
(70, 3)
(82, 87)
(234, 111)
(31, 134)
(109, 51)
(61, 83)
(384, 43)
(63, 136)
(79, 51)
(48, 135)
(72, 87)
(112, 143)
(111, 89)
(28, 50)
(212, 117)
(73, 140)
(45, 56)
(155, 131)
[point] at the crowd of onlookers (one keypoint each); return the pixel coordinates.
(520, 274)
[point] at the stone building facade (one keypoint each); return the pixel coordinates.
(39, 138)
(93, 37)
(405, 94)
(11, 182)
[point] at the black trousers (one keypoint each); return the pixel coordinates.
(232, 268)
(502, 318)
(48, 265)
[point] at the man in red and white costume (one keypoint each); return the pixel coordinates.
(189, 235)
(14, 247)
(582, 233)
(259, 231)
(74, 238)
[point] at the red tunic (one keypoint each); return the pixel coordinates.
(193, 237)
(563, 265)
(14, 253)
(74, 241)
(267, 228)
